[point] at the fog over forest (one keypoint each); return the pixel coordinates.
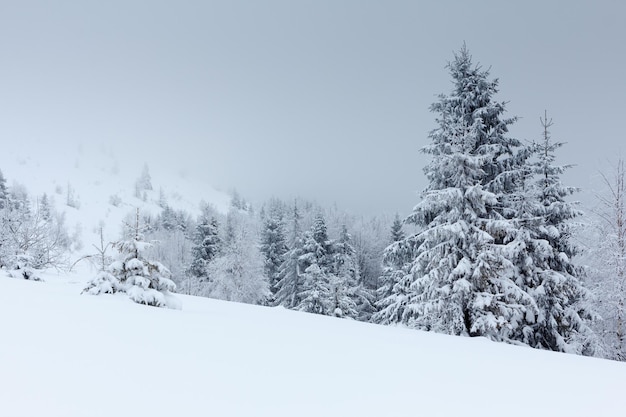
(328, 101)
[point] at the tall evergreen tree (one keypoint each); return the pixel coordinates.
(547, 270)
(316, 292)
(348, 296)
(318, 247)
(395, 266)
(316, 261)
(273, 244)
(206, 246)
(459, 280)
(289, 282)
(396, 230)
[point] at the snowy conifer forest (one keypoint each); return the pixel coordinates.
(496, 248)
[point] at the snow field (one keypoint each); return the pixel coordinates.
(65, 354)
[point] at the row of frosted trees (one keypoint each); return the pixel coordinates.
(490, 251)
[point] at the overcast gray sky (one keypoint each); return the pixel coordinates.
(324, 99)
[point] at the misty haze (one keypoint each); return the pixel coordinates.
(315, 208)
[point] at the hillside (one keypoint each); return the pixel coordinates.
(65, 354)
(95, 173)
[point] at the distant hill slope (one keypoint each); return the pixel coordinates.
(98, 176)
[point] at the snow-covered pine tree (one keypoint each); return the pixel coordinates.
(348, 296)
(318, 247)
(273, 244)
(393, 263)
(316, 292)
(459, 280)
(289, 281)
(206, 246)
(397, 234)
(395, 267)
(542, 251)
(317, 263)
(145, 281)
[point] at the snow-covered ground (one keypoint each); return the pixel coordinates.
(65, 354)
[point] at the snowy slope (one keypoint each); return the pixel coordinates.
(64, 354)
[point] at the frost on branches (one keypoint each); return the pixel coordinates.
(236, 273)
(144, 281)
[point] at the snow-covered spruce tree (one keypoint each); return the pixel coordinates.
(396, 230)
(289, 281)
(396, 265)
(206, 246)
(273, 244)
(459, 280)
(393, 263)
(316, 260)
(542, 251)
(145, 281)
(348, 297)
(316, 292)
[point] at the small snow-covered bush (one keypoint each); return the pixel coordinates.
(145, 281)
(103, 283)
(20, 267)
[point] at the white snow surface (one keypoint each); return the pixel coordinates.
(65, 354)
